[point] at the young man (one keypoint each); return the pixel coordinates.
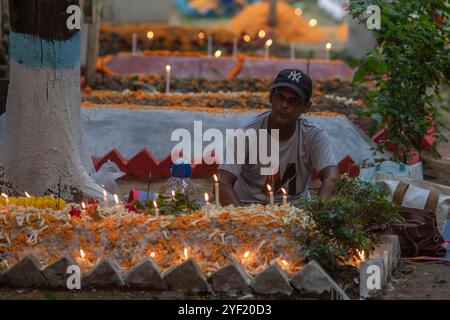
(302, 147)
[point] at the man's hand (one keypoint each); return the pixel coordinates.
(326, 176)
(226, 189)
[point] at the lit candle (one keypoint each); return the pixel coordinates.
(173, 195)
(155, 204)
(267, 47)
(134, 44)
(285, 264)
(216, 190)
(209, 46)
(292, 51)
(152, 255)
(168, 75)
(285, 198)
(269, 188)
(26, 202)
(105, 199)
(117, 208)
(186, 255)
(207, 203)
(150, 35)
(235, 47)
(82, 255)
(4, 195)
(218, 54)
(328, 47)
(83, 206)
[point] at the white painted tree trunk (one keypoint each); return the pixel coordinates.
(42, 139)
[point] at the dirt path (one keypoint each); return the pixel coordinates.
(420, 281)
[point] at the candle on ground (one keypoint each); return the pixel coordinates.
(134, 43)
(328, 47)
(4, 195)
(285, 198)
(267, 47)
(216, 190)
(117, 208)
(168, 76)
(207, 203)
(235, 47)
(269, 188)
(105, 199)
(209, 46)
(83, 208)
(292, 51)
(155, 204)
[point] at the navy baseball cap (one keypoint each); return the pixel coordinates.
(296, 80)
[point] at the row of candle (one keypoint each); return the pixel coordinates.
(247, 38)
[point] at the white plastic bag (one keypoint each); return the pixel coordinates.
(106, 177)
(414, 171)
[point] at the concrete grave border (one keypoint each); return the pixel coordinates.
(187, 276)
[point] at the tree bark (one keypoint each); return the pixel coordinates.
(95, 8)
(272, 13)
(42, 139)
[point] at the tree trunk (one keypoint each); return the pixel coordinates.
(95, 7)
(272, 13)
(42, 139)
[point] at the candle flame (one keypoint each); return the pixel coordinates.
(329, 45)
(168, 68)
(116, 199)
(150, 35)
(216, 179)
(4, 195)
(186, 253)
(173, 193)
(313, 22)
(155, 204)
(261, 34)
(247, 254)
(206, 197)
(218, 53)
(361, 255)
(82, 254)
(247, 38)
(27, 194)
(83, 205)
(269, 188)
(201, 35)
(269, 43)
(284, 191)
(152, 255)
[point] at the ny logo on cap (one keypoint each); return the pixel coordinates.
(295, 76)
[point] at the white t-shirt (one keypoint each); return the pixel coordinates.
(308, 148)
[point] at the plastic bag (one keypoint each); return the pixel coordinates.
(400, 169)
(107, 176)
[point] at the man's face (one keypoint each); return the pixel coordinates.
(287, 106)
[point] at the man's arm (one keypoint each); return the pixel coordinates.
(326, 176)
(226, 189)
